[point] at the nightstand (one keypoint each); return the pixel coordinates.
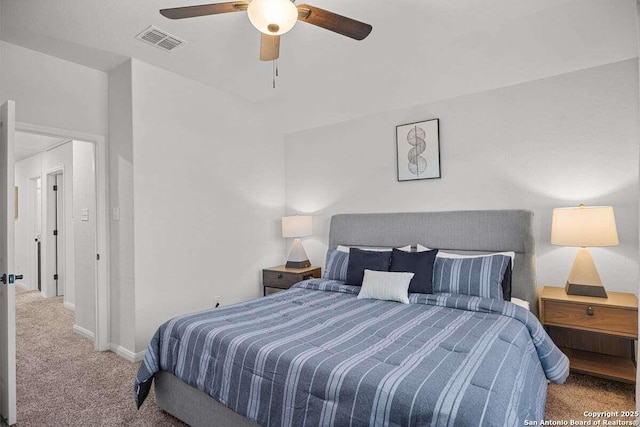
(597, 334)
(281, 277)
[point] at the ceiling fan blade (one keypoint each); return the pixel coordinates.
(204, 10)
(269, 47)
(333, 22)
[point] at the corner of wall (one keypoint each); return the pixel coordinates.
(120, 148)
(220, 184)
(126, 353)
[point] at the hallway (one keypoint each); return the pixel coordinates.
(62, 381)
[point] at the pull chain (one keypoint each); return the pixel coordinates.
(275, 63)
(275, 72)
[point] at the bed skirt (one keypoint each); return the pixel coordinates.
(193, 406)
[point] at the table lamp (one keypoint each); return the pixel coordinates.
(583, 227)
(297, 226)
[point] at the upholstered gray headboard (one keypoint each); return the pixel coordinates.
(455, 231)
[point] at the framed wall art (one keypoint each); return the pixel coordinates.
(418, 149)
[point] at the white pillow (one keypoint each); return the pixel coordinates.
(521, 303)
(342, 248)
(442, 254)
(386, 285)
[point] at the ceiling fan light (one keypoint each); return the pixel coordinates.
(273, 17)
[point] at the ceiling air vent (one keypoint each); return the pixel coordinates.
(160, 39)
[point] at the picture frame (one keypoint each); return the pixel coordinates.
(418, 150)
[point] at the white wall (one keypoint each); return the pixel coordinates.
(84, 234)
(209, 194)
(52, 92)
(121, 307)
(554, 142)
(200, 155)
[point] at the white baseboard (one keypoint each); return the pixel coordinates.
(82, 331)
(70, 306)
(127, 354)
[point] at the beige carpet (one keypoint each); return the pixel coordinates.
(582, 393)
(63, 382)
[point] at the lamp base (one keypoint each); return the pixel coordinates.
(585, 290)
(297, 256)
(584, 279)
(298, 264)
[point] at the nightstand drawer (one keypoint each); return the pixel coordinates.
(281, 277)
(279, 280)
(610, 320)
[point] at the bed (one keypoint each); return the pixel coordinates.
(317, 355)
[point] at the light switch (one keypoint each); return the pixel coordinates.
(115, 213)
(84, 214)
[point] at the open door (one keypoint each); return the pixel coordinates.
(7, 279)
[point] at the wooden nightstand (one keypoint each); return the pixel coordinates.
(281, 277)
(597, 334)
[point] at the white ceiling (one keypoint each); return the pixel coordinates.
(418, 51)
(29, 144)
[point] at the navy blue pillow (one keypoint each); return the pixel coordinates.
(418, 263)
(506, 283)
(360, 260)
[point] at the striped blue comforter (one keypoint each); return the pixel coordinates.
(316, 355)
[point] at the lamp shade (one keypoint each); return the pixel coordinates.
(273, 17)
(584, 226)
(297, 226)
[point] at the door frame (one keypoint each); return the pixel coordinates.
(101, 333)
(54, 251)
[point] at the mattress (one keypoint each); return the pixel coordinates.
(316, 355)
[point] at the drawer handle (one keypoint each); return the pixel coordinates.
(279, 275)
(590, 311)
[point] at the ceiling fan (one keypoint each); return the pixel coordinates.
(274, 18)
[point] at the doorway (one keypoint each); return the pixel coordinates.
(100, 255)
(8, 126)
(62, 222)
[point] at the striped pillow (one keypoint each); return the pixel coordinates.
(336, 265)
(480, 276)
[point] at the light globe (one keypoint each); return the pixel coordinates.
(272, 17)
